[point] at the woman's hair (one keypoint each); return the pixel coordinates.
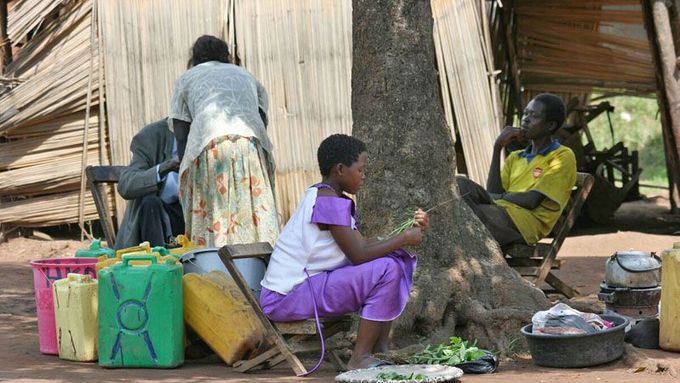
(209, 48)
(554, 108)
(338, 149)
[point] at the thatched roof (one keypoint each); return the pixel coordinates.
(578, 45)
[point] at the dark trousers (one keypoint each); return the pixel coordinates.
(152, 221)
(494, 217)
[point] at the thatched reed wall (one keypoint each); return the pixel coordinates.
(145, 46)
(301, 52)
(42, 119)
(467, 78)
(299, 49)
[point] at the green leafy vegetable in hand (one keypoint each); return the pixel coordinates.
(386, 376)
(409, 222)
(456, 352)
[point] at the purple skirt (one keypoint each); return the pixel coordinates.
(378, 290)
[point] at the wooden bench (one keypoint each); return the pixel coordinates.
(535, 263)
(284, 340)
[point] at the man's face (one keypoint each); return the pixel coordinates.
(534, 123)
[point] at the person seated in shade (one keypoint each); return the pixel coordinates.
(149, 184)
(322, 266)
(523, 200)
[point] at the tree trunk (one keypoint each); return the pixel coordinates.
(462, 285)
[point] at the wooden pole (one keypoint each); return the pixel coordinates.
(675, 26)
(658, 36)
(5, 45)
(670, 73)
(512, 60)
(668, 56)
(86, 127)
(488, 55)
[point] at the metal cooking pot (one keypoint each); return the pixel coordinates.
(634, 269)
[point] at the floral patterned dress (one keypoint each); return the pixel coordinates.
(229, 188)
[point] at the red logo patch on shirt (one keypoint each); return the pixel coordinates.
(537, 172)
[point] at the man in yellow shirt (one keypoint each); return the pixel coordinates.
(522, 202)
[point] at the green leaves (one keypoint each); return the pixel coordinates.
(402, 227)
(456, 352)
(387, 376)
(408, 223)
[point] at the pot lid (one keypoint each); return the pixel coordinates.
(637, 261)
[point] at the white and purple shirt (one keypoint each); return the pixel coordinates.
(303, 245)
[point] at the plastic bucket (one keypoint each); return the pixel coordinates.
(45, 273)
(206, 260)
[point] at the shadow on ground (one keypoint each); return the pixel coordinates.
(650, 215)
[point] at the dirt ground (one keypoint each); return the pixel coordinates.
(642, 225)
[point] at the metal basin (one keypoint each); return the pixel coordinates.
(205, 260)
(580, 350)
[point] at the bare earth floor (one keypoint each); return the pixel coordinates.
(640, 225)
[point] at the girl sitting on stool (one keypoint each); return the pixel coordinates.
(344, 271)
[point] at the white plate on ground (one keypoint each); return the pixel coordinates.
(432, 372)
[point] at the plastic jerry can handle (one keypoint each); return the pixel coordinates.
(72, 277)
(160, 250)
(184, 241)
(96, 244)
(128, 258)
(144, 246)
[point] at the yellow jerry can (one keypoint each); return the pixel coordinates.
(162, 255)
(143, 248)
(669, 319)
(185, 246)
(75, 314)
(218, 312)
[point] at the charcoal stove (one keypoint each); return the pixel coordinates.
(632, 285)
(635, 303)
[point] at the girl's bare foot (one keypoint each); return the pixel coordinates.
(364, 361)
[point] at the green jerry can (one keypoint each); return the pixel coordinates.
(96, 250)
(140, 314)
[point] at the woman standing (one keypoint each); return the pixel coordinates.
(218, 113)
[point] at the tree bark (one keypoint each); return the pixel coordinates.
(462, 285)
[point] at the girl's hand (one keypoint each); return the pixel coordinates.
(422, 220)
(413, 236)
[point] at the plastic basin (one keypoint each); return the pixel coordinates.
(45, 273)
(580, 350)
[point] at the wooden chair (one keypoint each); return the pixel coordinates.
(283, 340)
(536, 262)
(97, 175)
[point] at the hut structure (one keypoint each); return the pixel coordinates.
(577, 47)
(83, 76)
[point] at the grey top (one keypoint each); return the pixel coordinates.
(218, 99)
